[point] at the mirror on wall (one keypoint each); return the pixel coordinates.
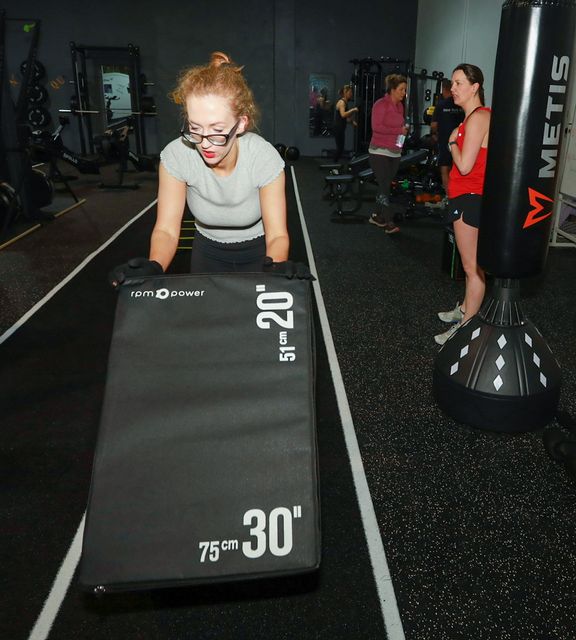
(321, 101)
(116, 92)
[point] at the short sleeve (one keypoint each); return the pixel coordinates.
(267, 162)
(174, 160)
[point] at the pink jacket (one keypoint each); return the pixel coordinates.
(387, 122)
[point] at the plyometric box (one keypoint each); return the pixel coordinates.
(206, 464)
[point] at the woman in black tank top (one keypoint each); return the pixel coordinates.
(342, 116)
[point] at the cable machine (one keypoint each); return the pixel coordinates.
(89, 99)
(368, 86)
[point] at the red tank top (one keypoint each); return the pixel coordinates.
(472, 182)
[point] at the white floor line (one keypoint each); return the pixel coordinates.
(64, 576)
(69, 277)
(388, 603)
(59, 589)
(382, 576)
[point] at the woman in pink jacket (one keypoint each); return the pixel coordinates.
(388, 133)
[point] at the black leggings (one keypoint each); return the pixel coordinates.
(209, 256)
(385, 169)
(340, 139)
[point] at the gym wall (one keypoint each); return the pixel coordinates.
(462, 31)
(279, 43)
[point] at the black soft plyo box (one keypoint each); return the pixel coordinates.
(206, 464)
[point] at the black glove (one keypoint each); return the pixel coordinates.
(134, 268)
(288, 268)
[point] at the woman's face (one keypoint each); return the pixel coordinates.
(399, 93)
(212, 114)
(462, 88)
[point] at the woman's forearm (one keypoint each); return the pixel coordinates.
(163, 247)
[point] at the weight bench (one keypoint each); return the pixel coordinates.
(342, 185)
(356, 164)
(348, 180)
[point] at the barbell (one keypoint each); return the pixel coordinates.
(95, 112)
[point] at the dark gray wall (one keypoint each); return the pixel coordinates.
(279, 41)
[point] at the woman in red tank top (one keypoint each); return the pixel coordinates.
(468, 145)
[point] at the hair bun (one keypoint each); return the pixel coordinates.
(218, 58)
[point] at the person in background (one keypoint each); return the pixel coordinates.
(388, 133)
(313, 97)
(447, 116)
(468, 145)
(232, 179)
(342, 115)
(321, 114)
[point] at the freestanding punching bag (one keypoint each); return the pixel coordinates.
(497, 372)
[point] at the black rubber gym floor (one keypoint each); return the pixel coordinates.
(478, 528)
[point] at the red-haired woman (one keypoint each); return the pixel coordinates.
(231, 178)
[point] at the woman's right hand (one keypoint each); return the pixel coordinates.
(134, 268)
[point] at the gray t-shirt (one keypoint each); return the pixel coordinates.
(232, 201)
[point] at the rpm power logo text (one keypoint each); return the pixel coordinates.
(164, 294)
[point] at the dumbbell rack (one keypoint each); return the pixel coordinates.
(24, 191)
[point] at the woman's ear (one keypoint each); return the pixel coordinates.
(244, 122)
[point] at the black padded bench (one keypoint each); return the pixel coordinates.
(351, 183)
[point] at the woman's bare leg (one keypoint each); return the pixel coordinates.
(467, 243)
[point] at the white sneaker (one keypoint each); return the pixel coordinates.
(435, 205)
(455, 315)
(378, 221)
(441, 338)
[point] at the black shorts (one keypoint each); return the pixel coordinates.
(467, 207)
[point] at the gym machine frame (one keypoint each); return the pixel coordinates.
(368, 86)
(19, 193)
(84, 106)
(419, 95)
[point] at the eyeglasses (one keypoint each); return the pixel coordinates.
(217, 139)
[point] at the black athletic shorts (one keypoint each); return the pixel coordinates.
(467, 207)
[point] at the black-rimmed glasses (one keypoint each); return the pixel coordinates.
(217, 139)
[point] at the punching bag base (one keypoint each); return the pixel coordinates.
(498, 376)
(503, 414)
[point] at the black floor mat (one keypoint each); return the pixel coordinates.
(54, 367)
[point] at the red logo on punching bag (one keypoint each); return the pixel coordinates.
(533, 217)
